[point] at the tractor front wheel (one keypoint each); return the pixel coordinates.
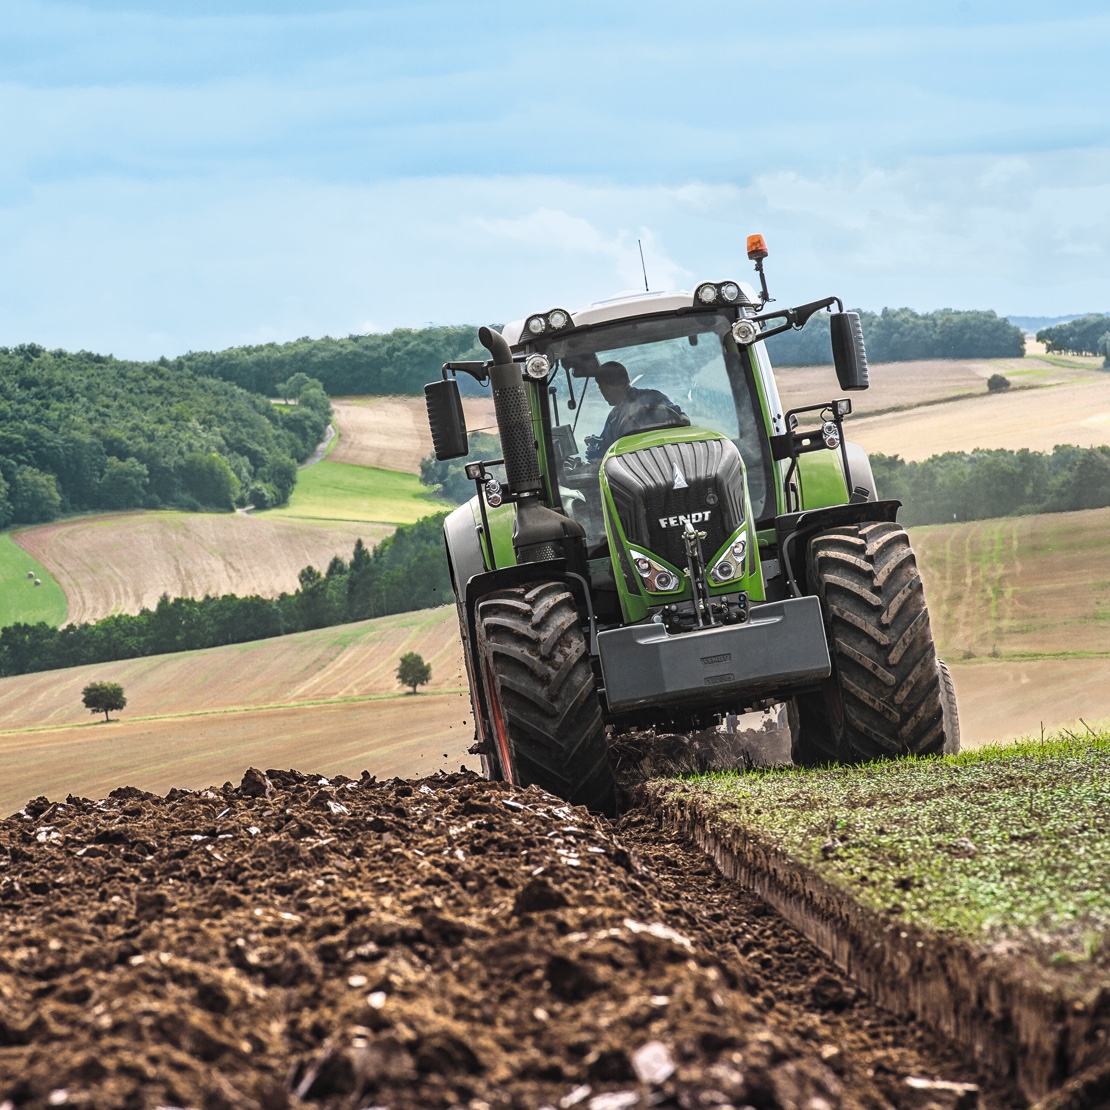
(887, 695)
(544, 717)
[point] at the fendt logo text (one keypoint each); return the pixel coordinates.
(677, 521)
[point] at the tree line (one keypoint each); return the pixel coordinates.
(977, 485)
(398, 362)
(406, 571)
(82, 431)
(902, 335)
(1087, 335)
(402, 361)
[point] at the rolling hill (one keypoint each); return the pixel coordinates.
(120, 562)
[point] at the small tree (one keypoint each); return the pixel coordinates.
(413, 671)
(102, 697)
(996, 383)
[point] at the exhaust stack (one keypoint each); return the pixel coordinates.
(539, 532)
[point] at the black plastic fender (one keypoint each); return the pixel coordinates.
(794, 531)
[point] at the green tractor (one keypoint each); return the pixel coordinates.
(662, 544)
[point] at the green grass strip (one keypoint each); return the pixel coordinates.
(1000, 842)
(343, 491)
(20, 598)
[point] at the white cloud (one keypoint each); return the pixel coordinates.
(143, 269)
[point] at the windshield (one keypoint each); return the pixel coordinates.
(649, 372)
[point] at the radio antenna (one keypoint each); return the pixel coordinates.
(642, 266)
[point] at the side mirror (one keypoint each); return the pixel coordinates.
(446, 420)
(849, 356)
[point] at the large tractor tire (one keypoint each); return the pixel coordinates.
(948, 706)
(544, 718)
(885, 697)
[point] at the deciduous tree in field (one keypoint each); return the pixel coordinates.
(103, 697)
(413, 671)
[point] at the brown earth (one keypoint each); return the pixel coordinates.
(392, 432)
(447, 943)
(121, 562)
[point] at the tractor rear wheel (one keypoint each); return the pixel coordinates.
(544, 715)
(885, 697)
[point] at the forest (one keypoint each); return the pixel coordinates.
(391, 363)
(978, 485)
(84, 431)
(902, 335)
(1087, 335)
(405, 571)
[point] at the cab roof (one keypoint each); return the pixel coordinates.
(626, 305)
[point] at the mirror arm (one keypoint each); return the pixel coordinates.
(479, 371)
(796, 318)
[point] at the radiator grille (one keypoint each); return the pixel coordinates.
(708, 473)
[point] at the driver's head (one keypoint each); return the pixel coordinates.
(612, 380)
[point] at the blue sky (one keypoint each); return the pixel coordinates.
(195, 174)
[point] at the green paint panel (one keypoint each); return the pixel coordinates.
(20, 599)
(821, 477)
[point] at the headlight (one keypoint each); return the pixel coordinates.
(536, 325)
(745, 332)
(707, 293)
(731, 564)
(558, 319)
(537, 367)
(830, 433)
(657, 579)
(730, 291)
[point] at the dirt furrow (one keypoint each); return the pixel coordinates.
(295, 942)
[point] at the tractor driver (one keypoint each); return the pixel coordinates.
(633, 409)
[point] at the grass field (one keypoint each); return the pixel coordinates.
(338, 491)
(120, 562)
(20, 598)
(971, 844)
(391, 433)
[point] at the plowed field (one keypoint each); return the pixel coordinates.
(120, 562)
(294, 942)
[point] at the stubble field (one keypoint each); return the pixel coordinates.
(391, 433)
(121, 562)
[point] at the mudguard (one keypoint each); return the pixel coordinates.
(794, 531)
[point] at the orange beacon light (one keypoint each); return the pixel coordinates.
(757, 247)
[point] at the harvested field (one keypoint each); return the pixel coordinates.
(396, 735)
(1029, 585)
(391, 433)
(328, 664)
(292, 942)
(1038, 419)
(939, 883)
(121, 562)
(1003, 700)
(910, 385)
